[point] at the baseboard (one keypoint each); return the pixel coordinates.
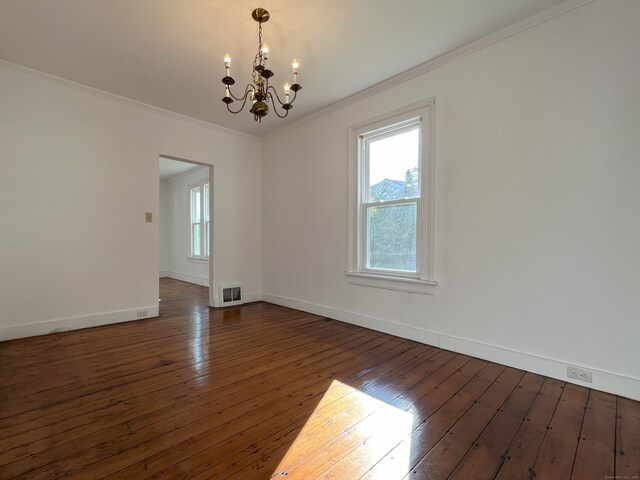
(73, 323)
(203, 281)
(252, 297)
(164, 273)
(615, 383)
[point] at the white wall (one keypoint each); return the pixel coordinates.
(163, 229)
(79, 169)
(537, 194)
(179, 265)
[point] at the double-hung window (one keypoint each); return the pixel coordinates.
(199, 220)
(391, 211)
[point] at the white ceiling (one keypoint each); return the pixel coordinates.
(170, 168)
(168, 53)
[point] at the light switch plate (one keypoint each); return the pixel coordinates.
(148, 217)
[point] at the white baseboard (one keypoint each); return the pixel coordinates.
(252, 297)
(615, 383)
(204, 281)
(164, 273)
(73, 323)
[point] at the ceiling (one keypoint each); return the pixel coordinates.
(170, 168)
(168, 53)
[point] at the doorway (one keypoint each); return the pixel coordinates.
(185, 225)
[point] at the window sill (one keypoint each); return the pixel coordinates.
(411, 285)
(197, 260)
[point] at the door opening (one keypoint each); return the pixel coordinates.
(185, 225)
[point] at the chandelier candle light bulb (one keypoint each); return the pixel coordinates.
(295, 66)
(259, 92)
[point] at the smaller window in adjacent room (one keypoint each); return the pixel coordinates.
(391, 201)
(199, 220)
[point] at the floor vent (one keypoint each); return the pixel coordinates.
(231, 294)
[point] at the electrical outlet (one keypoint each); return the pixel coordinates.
(143, 313)
(579, 374)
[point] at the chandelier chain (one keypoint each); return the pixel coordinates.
(257, 78)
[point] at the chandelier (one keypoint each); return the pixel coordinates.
(260, 92)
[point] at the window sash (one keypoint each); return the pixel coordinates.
(206, 220)
(207, 240)
(391, 131)
(200, 241)
(196, 239)
(364, 240)
(364, 174)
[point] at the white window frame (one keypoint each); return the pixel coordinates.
(203, 224)
(422, 281)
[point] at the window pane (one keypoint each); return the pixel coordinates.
(207, 241)
(393, 167)
(196, 240)
(205, 206)
(195, 205)
(391, 237)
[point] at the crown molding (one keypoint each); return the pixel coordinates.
(125, 100)
(502, 34)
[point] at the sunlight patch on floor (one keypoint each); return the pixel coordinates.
(346, 419)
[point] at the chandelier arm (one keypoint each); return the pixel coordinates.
(237, 111)
(275, 92)
(275, 109)
(295, 94)
(244, 101)
(246, 91)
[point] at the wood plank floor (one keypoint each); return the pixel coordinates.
(262, 391)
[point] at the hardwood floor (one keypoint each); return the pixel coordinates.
(262, 391)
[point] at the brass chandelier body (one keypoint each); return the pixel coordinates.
(260, 92)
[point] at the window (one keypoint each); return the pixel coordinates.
(391, 195)
(199, 220)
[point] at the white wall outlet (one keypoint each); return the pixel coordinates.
(579, 374)
(143, 313)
